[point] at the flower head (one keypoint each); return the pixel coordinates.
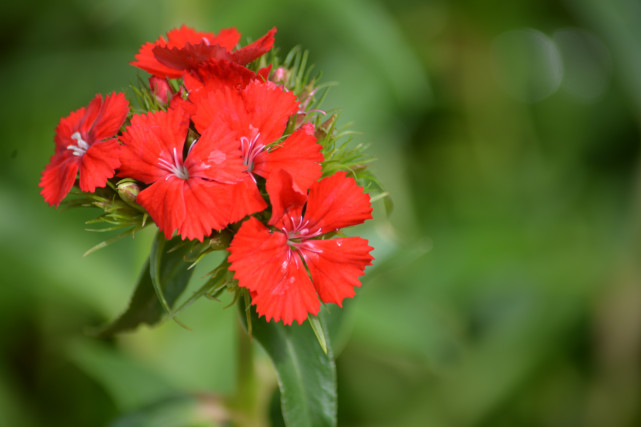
(292, 266)
(213, 148)
(189, 189)
(85, 146)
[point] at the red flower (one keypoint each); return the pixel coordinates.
(185, 49)
(189, 189)
(85, 145)
(258, 114)
(273, 264)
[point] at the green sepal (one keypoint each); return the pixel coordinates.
(142, 98)
(317, 327)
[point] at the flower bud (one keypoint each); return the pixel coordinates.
(220, 240)
(281, 75)
(161, 90)
(326, 127)
(128, 190)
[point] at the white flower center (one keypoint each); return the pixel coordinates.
(80, 147)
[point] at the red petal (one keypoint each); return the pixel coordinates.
(289, 296)
(101, 119)
(251, 250)
(263, 73)
(58, 177)
(146, 60)
(227, 37)
(299, 155)
(148, 138)
(246, 199)
(335, 266)
(164, 58)
(192, 207)
(268, 109)
(215, 73)
(264, 264)
(179, 103)
(284, 198)
(67, 127)
(336, 202)
(88, 119)
(260, 105)
(99, 164)
(112, 114)
(208, 207)
(192, 82)
(220, 107)
(216, 156)
(189, 56)
(164, 202)
(178, 38)
(256, 49)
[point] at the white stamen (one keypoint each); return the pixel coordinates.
(81, 146)
(191, 146)
(176, 168)
(249, 147)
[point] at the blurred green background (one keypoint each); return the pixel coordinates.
(506, 288)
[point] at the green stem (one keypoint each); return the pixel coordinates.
(244, 404)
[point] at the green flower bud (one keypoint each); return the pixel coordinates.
(220, 240)
(128, 190)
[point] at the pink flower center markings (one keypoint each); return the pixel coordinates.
(217, 157)
(297, 238)
(80, 147)
(174, 166)
(250, 148)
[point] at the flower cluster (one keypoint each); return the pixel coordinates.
(226, 141)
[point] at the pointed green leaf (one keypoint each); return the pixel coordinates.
(306, 374)
(168, 266)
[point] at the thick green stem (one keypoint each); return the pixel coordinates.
(244, 404)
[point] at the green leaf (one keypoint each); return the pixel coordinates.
(178, 410)
(306, 374)
(163, 278)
